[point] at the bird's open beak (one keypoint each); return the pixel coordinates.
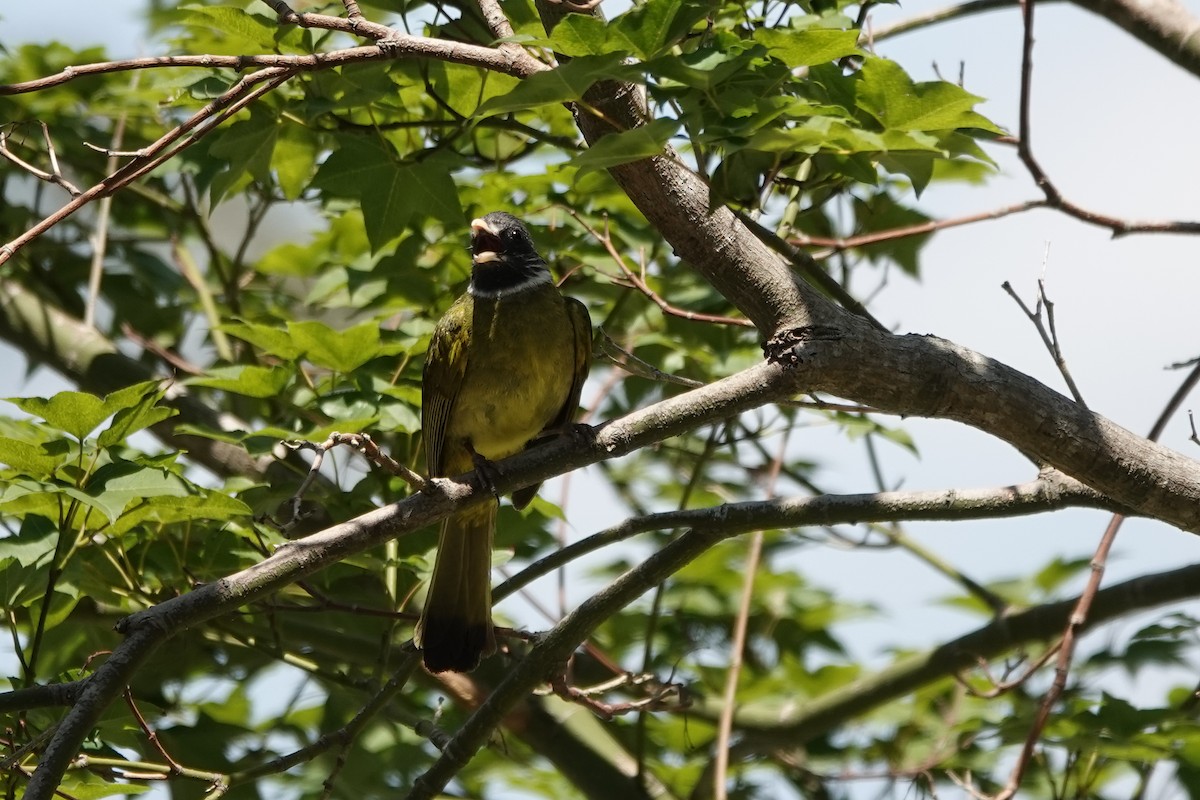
(485, 244)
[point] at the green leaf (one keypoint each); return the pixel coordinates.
(272, 341)
(706, 69)
(583, 35)
(436, 195)
(129, 421)
(562, 84)
(341, 351)
(390, 192)
(815, 135)
(176, 508)
(247, 147)
(43, 498)
(887, 93)
(387, 205)
(646, 25)
(643, 141)
(115, 485)
(809, 47)
(34, 542)
(239, 32)
(353, 165)
(79, 413)
(35, 460)
(294, 160)
(247, 380)
(85, 786)
(653, 27)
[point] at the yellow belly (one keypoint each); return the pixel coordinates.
(520, 367)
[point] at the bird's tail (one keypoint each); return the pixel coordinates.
(455, 629)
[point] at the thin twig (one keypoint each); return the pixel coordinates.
(151, 736)
(840, 243)
(341, 737)
(352, 11)
(1054, 197)
(494, 17)
(662, 697)
(958, 11)
(1003, 686)
(633, 365)
(49, 177)
(741, 626)
(360, 442)
(204, 121)
(103, 214)
(639, 282)
(1048, 332)
(808, 268)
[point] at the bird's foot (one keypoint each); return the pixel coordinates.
(487, 471)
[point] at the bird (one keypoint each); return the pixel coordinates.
(505, 368)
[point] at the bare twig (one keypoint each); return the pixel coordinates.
(361, 443)
(639, 281)
(630, 363)
(103, 214)
(352, 11)
(204, 121)
(918, 21)
(841, 243)
(339, 738)
(809, 268)
(1054, 197)
(999, 687)
(661, 697)
(53, 176)
(1048, 332)
(354, 23)
(148, 732)
(741, 626)
(493, 15)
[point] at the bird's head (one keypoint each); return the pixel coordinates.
(501, 237)
(503, 258)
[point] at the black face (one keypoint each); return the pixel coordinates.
(500, 236)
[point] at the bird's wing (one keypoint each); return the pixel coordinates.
(445, 366)
(581, 323)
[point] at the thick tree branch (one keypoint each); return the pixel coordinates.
(930, 377)
(908, 375)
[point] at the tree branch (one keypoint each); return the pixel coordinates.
(1166, 26)
(1050, 492)
(822, 714)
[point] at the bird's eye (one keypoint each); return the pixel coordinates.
(512, 234)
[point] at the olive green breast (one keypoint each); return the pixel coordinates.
(505, 368)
